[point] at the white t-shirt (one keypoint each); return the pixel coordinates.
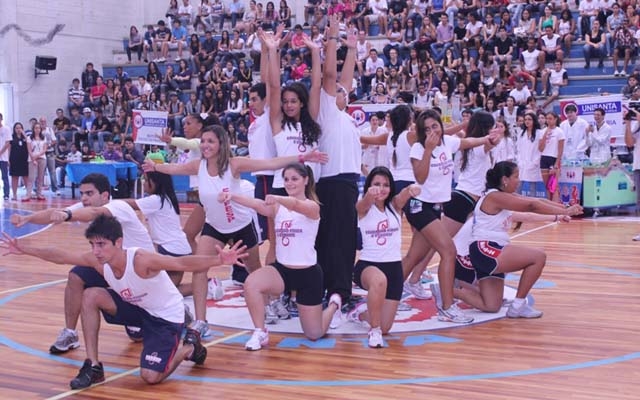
(134, 233)
(528, 158)
(295, 238)
(474, 29)
(5, 136)
(530, 59)
(437, 187)
(164, 224)
(472, 178)
(340, 139)
(261, 144)
(574, 144)
(381, 235)
(520, 96)
(551, 147)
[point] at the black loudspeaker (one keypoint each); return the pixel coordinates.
(46, 63)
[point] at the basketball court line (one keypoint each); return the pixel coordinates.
(36, 286)
(137, 369)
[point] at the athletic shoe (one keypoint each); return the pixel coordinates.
(177, 59)
(270, 316)
(214, 289)
(162, 59)
(199, 353)
(292, 307)
(417, 290)
(375, 338)
(134, 333)
(202, 327)
(435, 292)
(337, 319)
(636, 238)
(258, 339)
(624, 73)
(67, 340)
(404, 306)
(88, 375)
(354, 315)
(454, 314)
(280, 309)
(524, 311)
(188, 316)
(616, 73)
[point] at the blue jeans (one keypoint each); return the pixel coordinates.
(439, 49)
(101, 135)
(4, 168)
(592, 51)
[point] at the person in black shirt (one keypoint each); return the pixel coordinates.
(208, 50)
(100, 128)
(503, 49)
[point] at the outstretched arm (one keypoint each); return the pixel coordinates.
(156, 262)
(316, 78)
(246, 164)
(348, 68)
(257, 204)
(405, 194)
(330, 64)
(190, 168)
(55, 255)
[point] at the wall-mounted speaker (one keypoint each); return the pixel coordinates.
(46, 63)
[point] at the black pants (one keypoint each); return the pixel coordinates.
(263, 187)
(336, 241)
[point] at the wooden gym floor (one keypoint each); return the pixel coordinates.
(586, 346)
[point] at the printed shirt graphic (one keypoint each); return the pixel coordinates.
(437, 187)
(381, 236)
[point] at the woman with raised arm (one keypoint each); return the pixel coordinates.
(379, 269)
(490, 251)
(218, 172)
(297, 216)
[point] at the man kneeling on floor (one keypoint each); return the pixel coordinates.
(140, 294)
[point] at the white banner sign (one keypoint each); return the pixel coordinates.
(148, 125)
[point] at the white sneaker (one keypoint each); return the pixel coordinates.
(354, 315)
(280, 309)
(636, 238)
(177, 59)
(454, 314)
(525, 311)
(404, 306)
(270, 316)
(616, 73)
(162, 59)
(337, 318)
(435, 292)
(623, 73)
(67, 340)
(202, 327)
(375, 338)
(258, 339)
(417, 290)
(215, 290)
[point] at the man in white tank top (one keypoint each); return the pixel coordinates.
(141, 293)
(94, 192)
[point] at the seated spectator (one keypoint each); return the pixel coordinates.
(297, 44)
(566, 28)
(185, 14)
(532, 61)
(131, 95)
(520, 93)
(594, 45)
(234, 11)
(75, 95)
(89, 77)
(473, 36)
(74, 154)
(321, 20)
(62, 126)
(110, 153)
(169, 82)
(229, 76)
(135, 43)
(588, 10)
(503, 48)
(242, 140)
(557, 78)
(178, 40)
(120, 78)
(551, 46)
(75, 123)
(86, 154)
(161, 41)
(149, 37)
(202, 21)
(371, 66)
(624, 46)
(176, 112)
(208, 49)
(183, 77)
(217, 14)
(235, 108)
(87, 122)
(100, 128)
(394, 36)
(107, 107)
(632, 83)
(547, 20)
(526, 29)
(131, 154)
(250, 18)
(236, 47)
(378, 15)
(489, 32)
(255, 49)
(96, 91)
(172, 10)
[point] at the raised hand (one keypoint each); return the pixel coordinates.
(148, 165)
(166, 136)
(432, 141)
(234, 254)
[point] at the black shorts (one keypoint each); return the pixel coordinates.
(459, 207)
(621, 50)
(248, 235)
(164, 252)
(307, 282)
(484, 257)
(263, 187)
(547, 162)
(160, 338)
(399, 186)
(90, 277)
(464, 269)
(420, 214)
(393, 272)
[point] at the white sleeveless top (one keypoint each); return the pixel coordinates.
(295, 238)
(289, 143)
(261, 145)
(158, 295)
(402, 171)
(381, 235)
(472, 179)
(227, 217)
(493, 228)
(437, 187)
